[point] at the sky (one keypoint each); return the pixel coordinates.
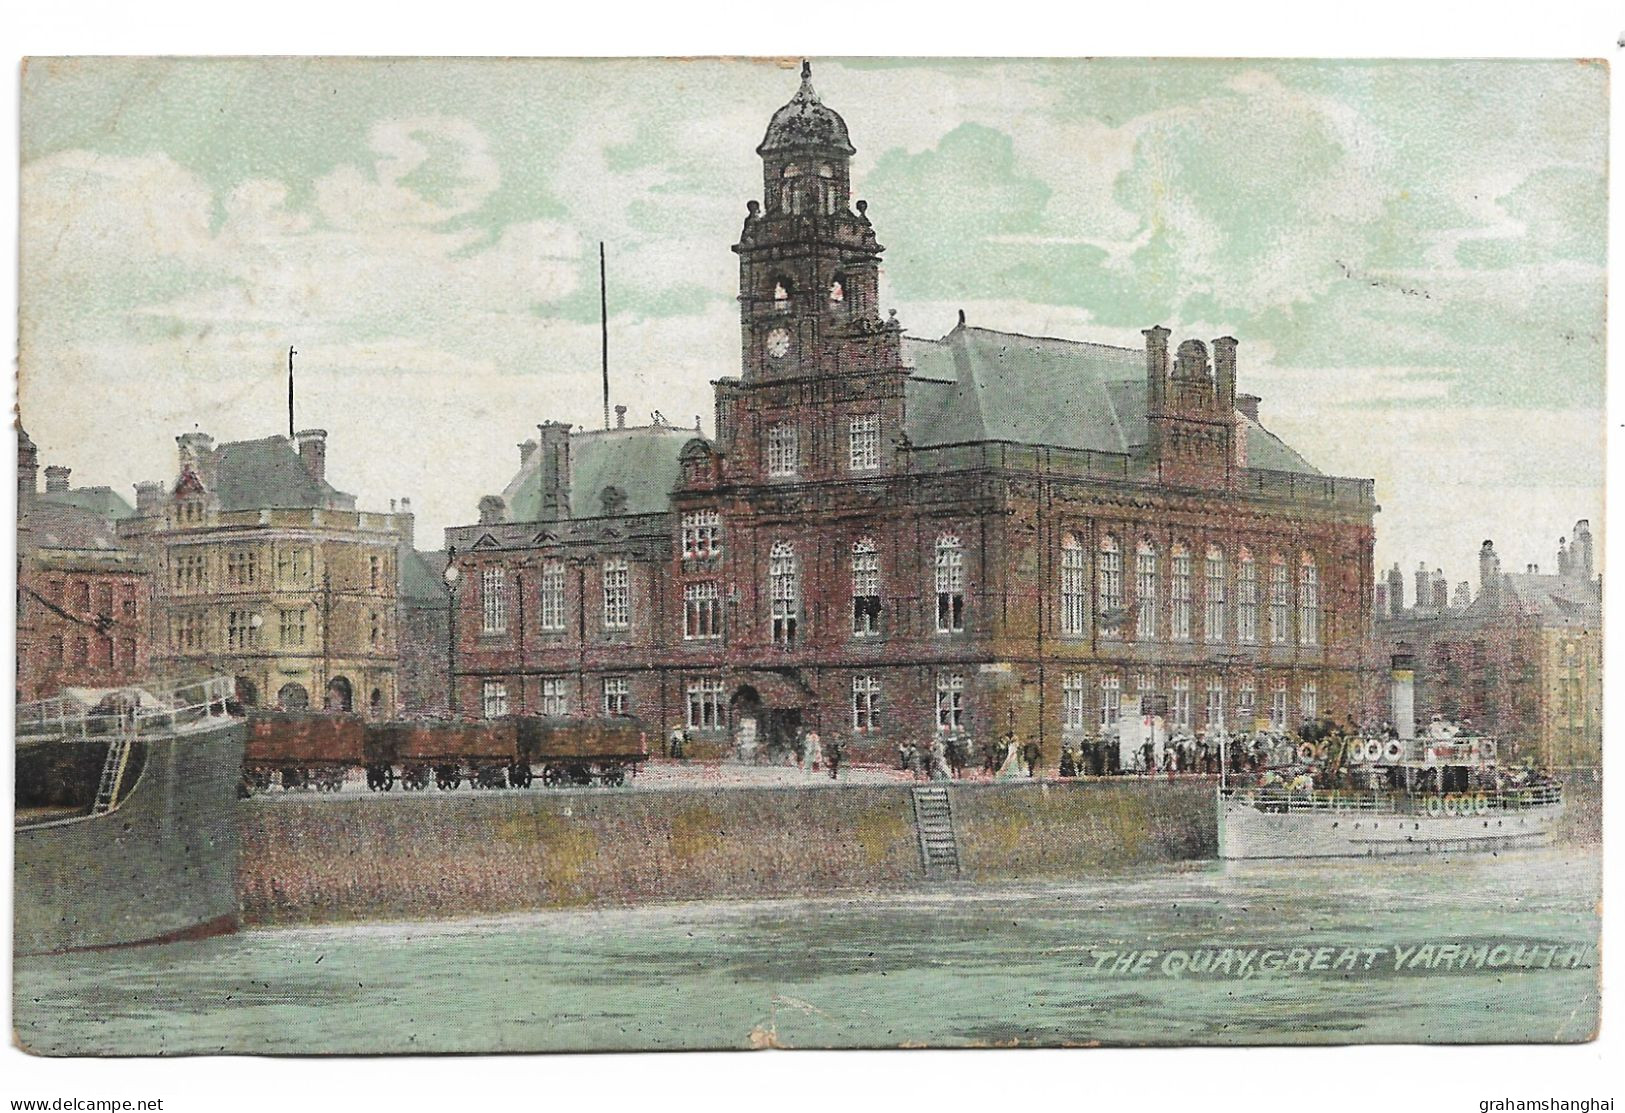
(1411, 255)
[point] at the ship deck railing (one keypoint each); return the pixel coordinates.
(1273, 798)
(146, 710)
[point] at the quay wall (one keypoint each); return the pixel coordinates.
(331, 859)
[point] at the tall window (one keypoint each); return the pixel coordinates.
(951, 702)
(241, 632)
(617, 696)
(555, 696)
(702, 611)
(493, 601)
(1179, 595)
(1280, 601)
(1308, 601)
(1179, 702)
(863, 444)
(242, 567)
(191, 572)
(1215, 703)
(1145, 587)
(1309, 700)
(1213, 618)
(1072, 704)
(495, 699)
(706, 709)
(1111, 582)
(1074, 587)
(375, 572)
(293, 626)
(950, 584)
(789, 202)
(784, 591)
(552, 608)
(375, 628)
(865, 588)
(617, 595)
(1111, 701)
(1246, 598)
(783, 453)
(1278, 706)
(702, 535)
(865, 704)
(1246, 704)
(293, 567)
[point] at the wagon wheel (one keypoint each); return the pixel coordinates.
(580, 774)
(519, 775)
(613, 775)
(552, 775)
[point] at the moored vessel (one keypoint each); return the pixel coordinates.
(143, 847)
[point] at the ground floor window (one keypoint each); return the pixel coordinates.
(617, 696)
(1278, 706)
(1072, 705)
(1215, 703)
(865, 704)
(555, 696)
(495, 699)
(1180, 703)
(706, 710)
(1246, 702)
(951, 703)
(1111, 701)
(1309, 700)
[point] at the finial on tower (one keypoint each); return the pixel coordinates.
(806, 70)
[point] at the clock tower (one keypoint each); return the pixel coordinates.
(808, 261)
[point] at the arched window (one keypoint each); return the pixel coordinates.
(865, 588)
(1179, 594)
(1246, 597)
(950, 569)
(1280, 601)
(1308, 601)
(826, 189)
(789, 194)
(837, 291)
(782, 295)
(1213, 616)
(784, 590)
(1074, 587)
(1145, 589)
(1109, 605)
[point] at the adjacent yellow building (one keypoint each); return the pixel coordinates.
(265, 572)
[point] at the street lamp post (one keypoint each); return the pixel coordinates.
(451, 574)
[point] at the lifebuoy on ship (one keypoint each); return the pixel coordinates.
(1306, 752)
(1373, 750)
(1450, 804)
(1435, 806)
(1393, 751)
(1481, 804)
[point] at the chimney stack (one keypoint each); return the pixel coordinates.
(527, 449)
(620, 417)
(196, 454)
(492, 510)
(27, 469)
(1441, 591)
(1396, 591)
(554, 469)
(1424, 593)
(56, 478)
(149, 498)
(1581, 557)
(406, 524)
(1156, 366)
(1382, 598)
(1224, 374)
(1248, 405)
(313, 452)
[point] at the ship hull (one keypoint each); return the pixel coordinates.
(162, 865)
(1246, 832)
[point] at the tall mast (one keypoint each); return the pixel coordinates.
(603, 322)
(290, 391)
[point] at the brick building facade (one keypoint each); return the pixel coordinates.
(82, 597)
(890, 536)
(1521, 658)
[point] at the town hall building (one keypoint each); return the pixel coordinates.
(891, 536)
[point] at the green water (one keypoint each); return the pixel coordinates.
(1028, 964)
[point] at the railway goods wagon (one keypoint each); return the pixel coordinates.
(583, 751)
(483, 752)
(304, 750)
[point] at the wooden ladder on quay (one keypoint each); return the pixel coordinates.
(934, 822)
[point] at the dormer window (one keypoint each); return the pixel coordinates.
(781, 295)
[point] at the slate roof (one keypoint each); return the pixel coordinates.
(978, 384)
(54, 525)
(806, 122)
(642, 461)
(421, 581)
(101, 501)
(1558, 599)
(268, 474)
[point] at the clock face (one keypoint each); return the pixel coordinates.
(778, 343)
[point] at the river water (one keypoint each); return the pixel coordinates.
(1469, 949)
